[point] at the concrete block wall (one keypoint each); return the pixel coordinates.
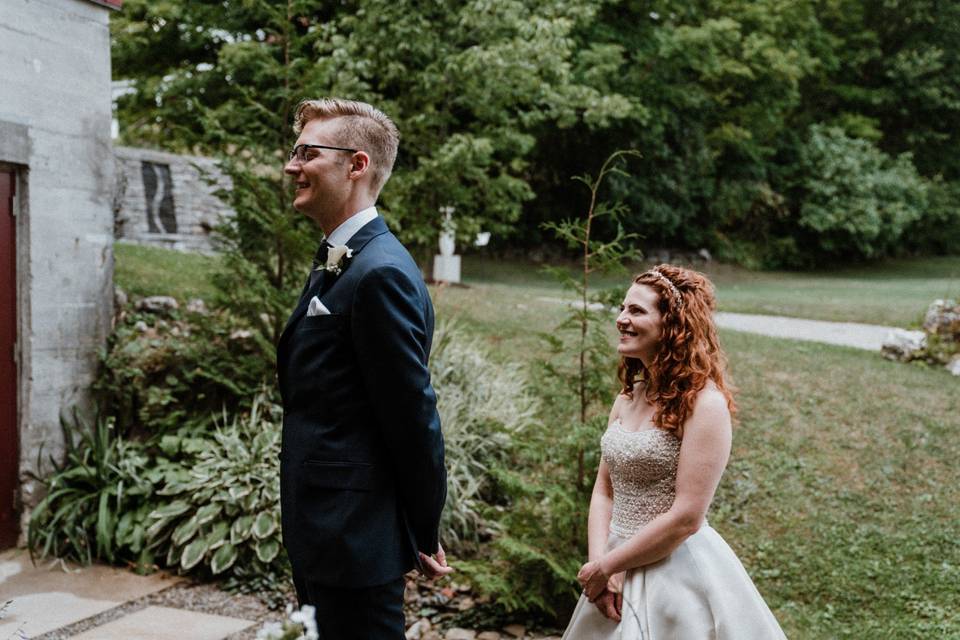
(166, 200)
(55, 123)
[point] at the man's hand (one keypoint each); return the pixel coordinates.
(593, 580)
(435, 568)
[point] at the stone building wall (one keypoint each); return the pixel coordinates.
(55, 116)
(167, 200)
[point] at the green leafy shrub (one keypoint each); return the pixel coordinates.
(857, 201)
(166, 372)
(221, 514)
(94, 497)
(939, 229)
(203, 504)
(483, 406)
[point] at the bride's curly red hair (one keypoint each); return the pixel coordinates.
(688, 354)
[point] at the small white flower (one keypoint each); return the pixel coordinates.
(335, 257)
(654, 15)
(270, 631)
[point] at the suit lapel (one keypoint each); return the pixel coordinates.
(326, 280)
(301, 307)
(366, 233)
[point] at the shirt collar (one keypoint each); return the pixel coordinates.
(342, 234)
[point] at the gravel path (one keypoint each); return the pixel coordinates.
(204, 598)
(428, 608)
(848, 334)
(869, 337)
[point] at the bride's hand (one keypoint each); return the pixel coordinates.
(593, 580)
(607, 603)
(615, 588)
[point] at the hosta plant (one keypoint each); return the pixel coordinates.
(224, 516)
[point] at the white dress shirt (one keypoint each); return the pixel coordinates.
(347, 229)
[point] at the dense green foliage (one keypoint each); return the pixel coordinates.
(164, 373)
(183, 470)
(92, 497)
(738, 106)
(484, 407)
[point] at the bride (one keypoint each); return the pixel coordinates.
(656, 569)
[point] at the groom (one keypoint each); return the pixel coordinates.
(361, 466)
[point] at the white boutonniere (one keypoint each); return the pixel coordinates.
(336, 256)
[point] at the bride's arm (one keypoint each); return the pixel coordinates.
(601, 501)
(601, 508)
(703, 456)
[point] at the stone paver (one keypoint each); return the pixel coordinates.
(164, 623)
(848, 334)
(45, 597)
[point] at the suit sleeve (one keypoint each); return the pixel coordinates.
(391, 324)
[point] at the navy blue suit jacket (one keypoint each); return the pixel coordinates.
(362, 476)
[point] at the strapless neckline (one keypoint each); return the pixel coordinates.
(620, 426)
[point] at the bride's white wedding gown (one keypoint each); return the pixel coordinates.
(698, 592)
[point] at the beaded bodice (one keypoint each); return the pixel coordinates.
(643, 470)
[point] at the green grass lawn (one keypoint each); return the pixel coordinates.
(895, 292)
(841, 495)
(152, 271)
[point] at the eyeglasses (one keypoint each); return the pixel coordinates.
(300, 151)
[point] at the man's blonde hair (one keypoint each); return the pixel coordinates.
(361, 126)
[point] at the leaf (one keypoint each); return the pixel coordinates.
(207, 513)
(240, 530)
(267, 550)
(172, 555)
(104, 528)
(264, 525)
(193, 553)
(173, 489)
(224, 558)
(171, 510)
(154, 530)
(218, 535)
(125, 528)
(236, 493)
(185, 531)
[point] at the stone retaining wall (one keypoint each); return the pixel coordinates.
(165, 200)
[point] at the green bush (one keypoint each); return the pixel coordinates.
(205, 504)
(221, 513)
(94, 497)
(483, 406)
(939, 230)
(169, 372)
(857, 201)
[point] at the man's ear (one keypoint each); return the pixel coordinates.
(359, 165)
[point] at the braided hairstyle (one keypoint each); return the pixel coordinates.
(688, 354)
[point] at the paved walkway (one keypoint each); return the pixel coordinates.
(847, 334)
(39, 600)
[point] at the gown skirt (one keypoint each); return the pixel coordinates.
(699, 592)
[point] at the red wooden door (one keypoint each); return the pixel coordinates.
(9, 433)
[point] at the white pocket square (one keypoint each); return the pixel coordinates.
(316, 308)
